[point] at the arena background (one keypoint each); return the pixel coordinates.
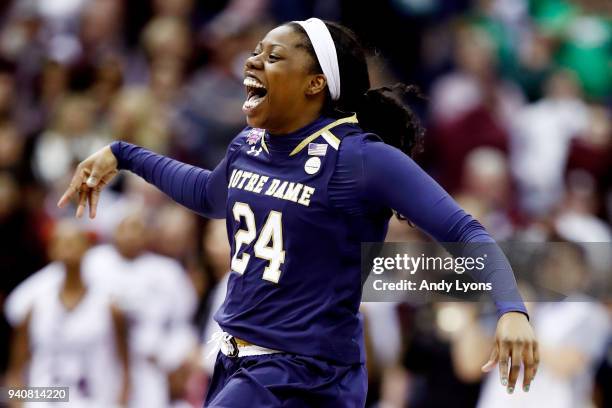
(518, 99)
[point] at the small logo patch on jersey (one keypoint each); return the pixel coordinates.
(254, 135)
(317, 149)
(312, 165)
(253, 151)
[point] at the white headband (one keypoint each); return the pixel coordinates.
(325, 49)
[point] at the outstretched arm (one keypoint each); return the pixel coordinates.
(200, 190)
(396, 181)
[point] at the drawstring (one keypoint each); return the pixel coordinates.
(222, 341)
(228, 345)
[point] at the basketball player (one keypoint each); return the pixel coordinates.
(72, 336)
(156, 296)
(319, 169)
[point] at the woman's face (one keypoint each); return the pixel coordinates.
(277, 78)
(68, 243)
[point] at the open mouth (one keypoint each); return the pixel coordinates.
(256, 93)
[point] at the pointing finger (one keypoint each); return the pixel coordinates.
(73, 188)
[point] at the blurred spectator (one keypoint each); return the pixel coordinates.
(541, 138)
(576, 220)
(69, 334)
(176, 233)
(52, 85)
(158, 300)
(143, 111)
(470, 107)
(167, 38)
(487, 192)
(71, 138)
(592, 153)
(535, 63)
(107, 82)
(475, 83)
(100, 28)
(163, 39)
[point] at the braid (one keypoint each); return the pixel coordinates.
(381, 111)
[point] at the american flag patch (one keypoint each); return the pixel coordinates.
(317, 149)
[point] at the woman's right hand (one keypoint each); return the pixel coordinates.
(90, 176)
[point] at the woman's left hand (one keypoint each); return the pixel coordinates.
(514, 343)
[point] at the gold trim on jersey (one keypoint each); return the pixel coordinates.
(331, 139)
(327, 135)
(263, 143)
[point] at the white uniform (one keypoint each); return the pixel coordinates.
(158, 300)
(20, 301)
(75, 348)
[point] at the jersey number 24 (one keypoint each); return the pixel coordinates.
(269, 244)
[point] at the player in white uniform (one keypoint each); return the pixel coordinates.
(72, 335)
(158, 300)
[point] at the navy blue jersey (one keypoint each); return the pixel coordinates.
(295, 283)
(297, 208)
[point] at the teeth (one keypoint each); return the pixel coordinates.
(253, 83)
(253, 100)
(251, 103)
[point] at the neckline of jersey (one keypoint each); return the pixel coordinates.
(287, 142)
(290, 142)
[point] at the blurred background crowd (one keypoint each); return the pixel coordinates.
(518, 110)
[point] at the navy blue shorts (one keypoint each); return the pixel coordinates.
(285, 380)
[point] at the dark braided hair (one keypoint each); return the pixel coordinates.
(380, 111)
